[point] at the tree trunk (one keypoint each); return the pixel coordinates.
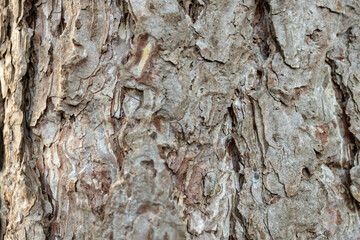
(179, 119)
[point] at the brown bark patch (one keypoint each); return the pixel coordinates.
(157, 123)
(322, 134)
(140, 64)
(149, 207)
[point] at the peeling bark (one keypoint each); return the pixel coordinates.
(177, 119)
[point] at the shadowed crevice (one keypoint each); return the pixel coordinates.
(343, 167)
(193, 8)
(262, 28)
(237, 164)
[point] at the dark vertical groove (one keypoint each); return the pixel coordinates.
(2, 156)
(29, 84)
(262, 28)
(235, 156)
(2, 159)
(342, 97)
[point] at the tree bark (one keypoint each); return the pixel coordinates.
(179, 119)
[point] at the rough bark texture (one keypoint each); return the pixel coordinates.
(179, 119)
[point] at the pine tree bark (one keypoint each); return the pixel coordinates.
(179, 119)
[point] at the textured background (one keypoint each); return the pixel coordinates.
(178, 119)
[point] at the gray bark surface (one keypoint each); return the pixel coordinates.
(179, 119)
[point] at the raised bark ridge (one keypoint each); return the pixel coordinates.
(178, 119)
